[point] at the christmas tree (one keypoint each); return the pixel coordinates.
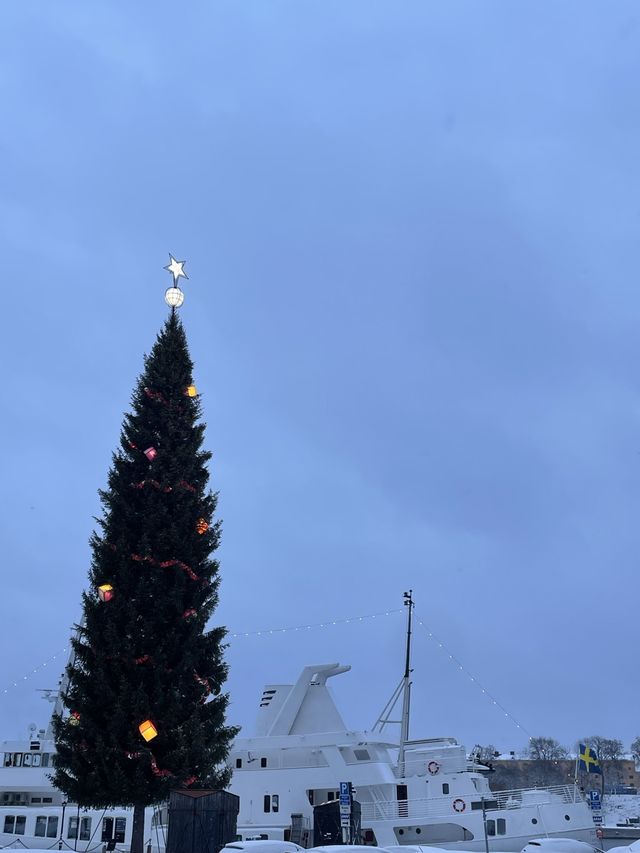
(146, 711)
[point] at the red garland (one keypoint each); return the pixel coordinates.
(203, 681)
(188, 613)
(160, 487)
(143, 659)
(156, 395)
(190, 781)
(165, 774)
(165, 564)
(154, 483)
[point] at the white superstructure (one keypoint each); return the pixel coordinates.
(302, 750)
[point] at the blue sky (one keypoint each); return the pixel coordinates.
(411, 231)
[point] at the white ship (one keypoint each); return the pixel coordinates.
(411, 792)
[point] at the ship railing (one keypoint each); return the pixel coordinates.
(438, 807)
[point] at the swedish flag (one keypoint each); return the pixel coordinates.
(588, 760)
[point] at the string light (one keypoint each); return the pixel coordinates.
(35, 670)
(239, 635)
(325, 624)
(471, 677)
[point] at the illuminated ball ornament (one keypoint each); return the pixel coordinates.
(148, 730)
(174, 297)
(105, 592)
(202, 525)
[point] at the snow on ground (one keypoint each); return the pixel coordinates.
(618, 808)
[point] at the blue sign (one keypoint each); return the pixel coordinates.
(597, 818)
(594, 796)
(345, 794)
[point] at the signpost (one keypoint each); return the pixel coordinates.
(345, 811)
(596, 806)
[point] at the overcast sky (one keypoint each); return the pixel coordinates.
(412, 235)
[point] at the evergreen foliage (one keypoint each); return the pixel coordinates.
(146, 654)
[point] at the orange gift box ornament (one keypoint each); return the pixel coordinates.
(148, 730)
(202, 525)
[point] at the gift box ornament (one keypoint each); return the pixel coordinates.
(148, 730)
(192, 391)
(74, 719)
(202, 525)
(151, 453)
(105, 592)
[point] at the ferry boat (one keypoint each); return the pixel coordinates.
(410, 792)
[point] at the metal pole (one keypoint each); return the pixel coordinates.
(406, 698)
(484, 821)
(64, 807)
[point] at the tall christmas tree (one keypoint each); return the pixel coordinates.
(146, 711)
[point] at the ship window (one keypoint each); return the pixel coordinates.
(36, 799)
(36, 760)
(17, 759)
(331, 795)
(121, 825)
(275, 802)
(107, 828)
(267, 803)
(52, 827)
(72, 831)
(491, 827)
(9, 821)
(21, 821)
(47, 799)
(566, 817)
(7, 759)
(45, 759)
(26, 761)
(263, 762)
(501, 825)
(85, 828)
(41, 826)
(445, 787)
(362, 755)
(534, 820)
(238, 763)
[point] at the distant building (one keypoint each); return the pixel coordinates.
(620, 776)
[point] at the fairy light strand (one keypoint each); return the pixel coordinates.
(463, 669)
(264, 632)
(326, 623)
(35, 670)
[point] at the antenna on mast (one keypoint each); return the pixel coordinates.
(406, 684)
(403, 689)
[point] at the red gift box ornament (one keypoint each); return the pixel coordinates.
(151, 453)
(202, 525)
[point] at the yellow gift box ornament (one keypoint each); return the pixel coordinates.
(148, 730)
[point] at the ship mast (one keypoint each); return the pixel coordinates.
(406, 684)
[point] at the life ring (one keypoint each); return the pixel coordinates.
(433, 767)
(459, 805)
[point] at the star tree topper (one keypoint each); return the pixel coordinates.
(176, 269)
